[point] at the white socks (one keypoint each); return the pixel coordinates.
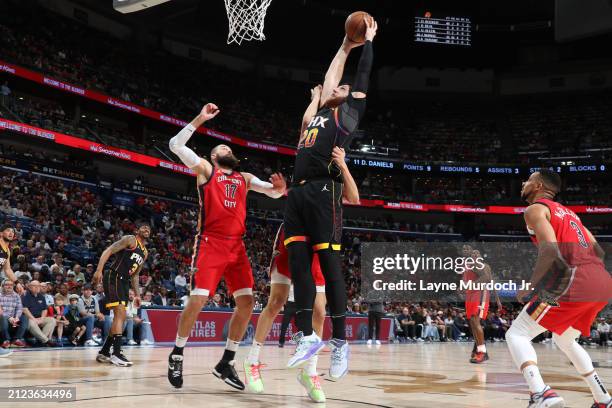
(180, 341)
(254, 352)
(533, 378)
(232, 345)
(311, 366)
(481, 348)
(600, 394)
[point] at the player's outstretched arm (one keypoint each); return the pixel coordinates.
(350, 194)
(312, 109)
(336, 69)
(274, 189)
(178, 143)
(126, 241)
(364, 68)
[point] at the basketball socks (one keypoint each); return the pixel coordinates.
(338, 323)
(117, 340)
(600, 394)
(311, 366)
(179, 345)
(481, 349)
(254, 352)
(533, 378)
(107, 345)
(231, 347)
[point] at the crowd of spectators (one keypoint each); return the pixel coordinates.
(418, 131)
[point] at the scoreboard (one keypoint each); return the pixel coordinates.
(446, 31)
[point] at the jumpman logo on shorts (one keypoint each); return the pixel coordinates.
(324, 188)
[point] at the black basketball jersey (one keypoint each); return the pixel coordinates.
(128, 260)
(5, 254)
(329, 128)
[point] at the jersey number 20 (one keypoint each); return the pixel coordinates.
(311, 137)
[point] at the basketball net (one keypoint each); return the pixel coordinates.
(246, 20)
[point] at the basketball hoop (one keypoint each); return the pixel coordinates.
(246, 20)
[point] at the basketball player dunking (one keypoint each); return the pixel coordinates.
(280, 285)
(130, 255)
(569, 267)
(219, 250)
(313, 215)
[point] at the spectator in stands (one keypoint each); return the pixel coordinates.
(56, 311)
(161, 299)
(46, 289)
(132, 322)
(79, 276)
(39, 263)
(58, 262)
(12, 320)
(180, 283)
(76, 326)
(462, 325)
(89, 272)
(35, 308)
(407, 324)
(89, 309)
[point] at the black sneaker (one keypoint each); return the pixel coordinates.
(120, 360)
(175, 370)
(103, 357)
(225, 370)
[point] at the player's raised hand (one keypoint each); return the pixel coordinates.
(350, 44)
(279, 183)
(371, 27)
(338, 156)
(209, 111)
(315, 92)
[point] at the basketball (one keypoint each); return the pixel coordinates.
(355, 26)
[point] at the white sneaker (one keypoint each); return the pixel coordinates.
(307, 346)
(546, 399)
(378, 342)
(5, 352)
(90, 343)
(132, 343)
(420, 340)
(146, 342)
(339, 358)
(369, 342)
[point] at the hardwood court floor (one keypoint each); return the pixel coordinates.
(405, 375)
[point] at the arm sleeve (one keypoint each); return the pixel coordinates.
(177, 146)
(264, 187)
(362, 78)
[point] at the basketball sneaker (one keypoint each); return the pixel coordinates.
(5, 352)
(120, 360)
(479, 358)
(602, 404)
(252, 377)
(307, 346)
(103, 357)
(312, 385)
(339, 358)
(225, 371)
(175, 370)
(546, 399)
